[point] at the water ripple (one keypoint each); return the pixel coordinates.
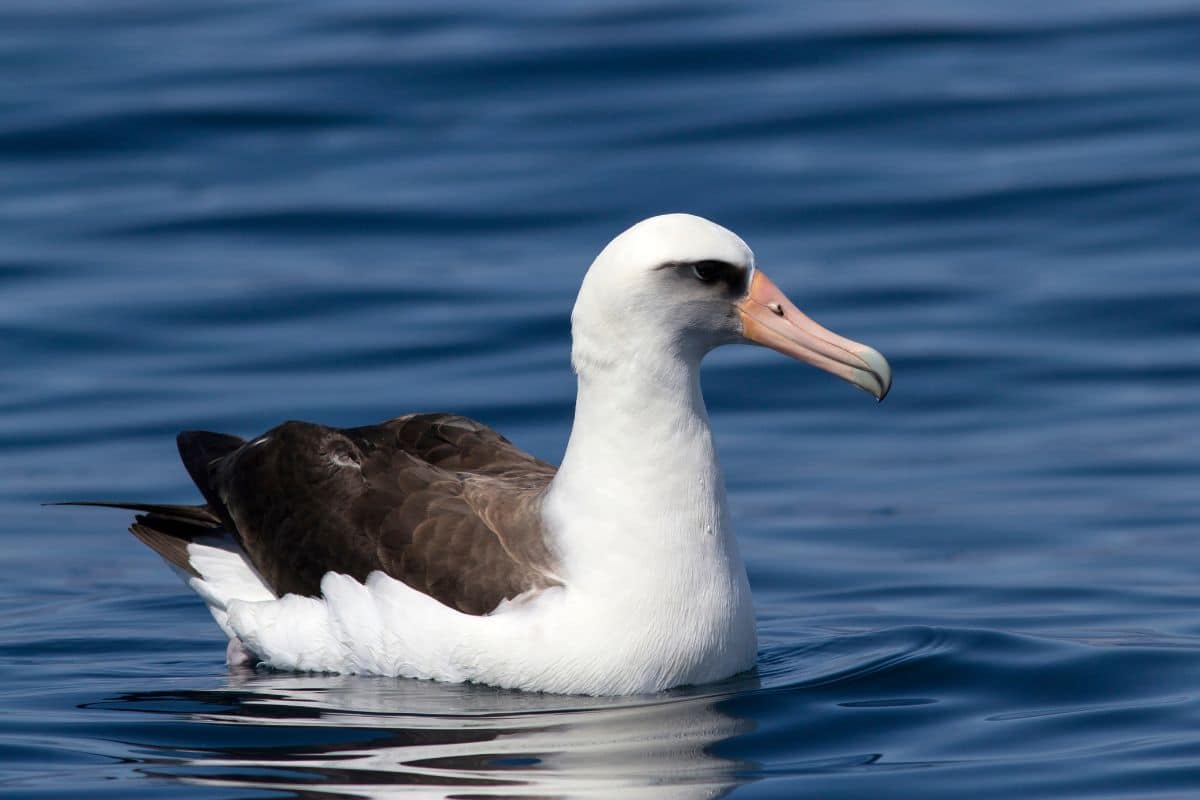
(224, 215)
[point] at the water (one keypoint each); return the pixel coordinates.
(223, 215)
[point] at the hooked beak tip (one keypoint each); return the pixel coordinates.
(878, 377)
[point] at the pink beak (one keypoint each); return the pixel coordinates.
(770, 319)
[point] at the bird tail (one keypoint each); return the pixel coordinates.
(205, 553)
(166, 529)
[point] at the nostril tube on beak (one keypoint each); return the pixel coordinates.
(776, 308)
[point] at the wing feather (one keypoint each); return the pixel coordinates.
(440, 502)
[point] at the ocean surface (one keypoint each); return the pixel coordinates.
(223, 215)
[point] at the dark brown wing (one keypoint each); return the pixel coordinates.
(440, 502)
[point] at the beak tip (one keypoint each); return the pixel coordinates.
(879, 370)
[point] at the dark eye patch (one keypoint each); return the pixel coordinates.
(707, 271)
(711, 271)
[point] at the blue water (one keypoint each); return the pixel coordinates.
(223, 214)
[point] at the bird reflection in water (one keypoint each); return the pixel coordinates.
(343, 735)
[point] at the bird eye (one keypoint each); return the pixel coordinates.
(707, 271)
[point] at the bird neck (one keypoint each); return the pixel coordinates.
(640, 465)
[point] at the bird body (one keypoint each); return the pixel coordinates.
(431, 547)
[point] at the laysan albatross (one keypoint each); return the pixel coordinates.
(429, 546)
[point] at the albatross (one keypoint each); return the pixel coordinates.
(430, 546)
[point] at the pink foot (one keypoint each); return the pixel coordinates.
(236, 654)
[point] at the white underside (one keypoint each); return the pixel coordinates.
(558, 640)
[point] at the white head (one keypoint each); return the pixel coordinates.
(673, 287)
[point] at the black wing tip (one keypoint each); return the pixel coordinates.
(95, 504)
(200, 451)
(201, 516)
(207, 440)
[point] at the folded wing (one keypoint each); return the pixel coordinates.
(440, 502)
